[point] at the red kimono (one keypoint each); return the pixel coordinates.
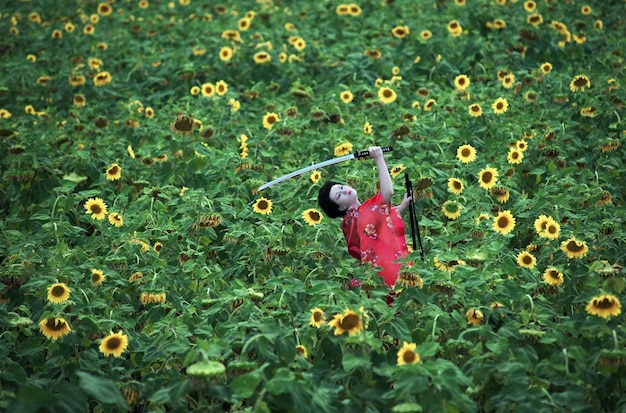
(375, 233)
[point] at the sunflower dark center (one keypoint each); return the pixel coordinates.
(466, 152)
(514, 155)
(113, 170)
(475, 108)
(409, 356)
(58, 291)
(605, 303)
(96, 209)
(503, 222)
(271, 119)
(499, 105)
(552, 229)
(454, 26)
(487, 177)
(114, 343)
(554, 274)
(262, 204)
(457, 185)
(350, 322)
(315, 216)
(574, 246)
(95, 277)
(317, 316)
(580, 81)
(527, 259)
(55, 324)
(387, 93)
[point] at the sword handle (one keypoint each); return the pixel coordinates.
(364, 154)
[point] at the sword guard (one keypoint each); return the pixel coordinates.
(364, 154)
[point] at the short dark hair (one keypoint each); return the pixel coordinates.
(329, 206)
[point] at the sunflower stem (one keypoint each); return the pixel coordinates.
(566, 360)
(432, 334)
(615, 342)
(532, 305)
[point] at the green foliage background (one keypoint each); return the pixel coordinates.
(240, 294)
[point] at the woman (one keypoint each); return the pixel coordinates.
(374, 230)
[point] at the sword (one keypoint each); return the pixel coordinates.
(356, 155)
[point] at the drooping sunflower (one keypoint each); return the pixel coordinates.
(317, 317)
(269, 120)
(534, 19)
(553, 276)
(102, 78)
(301, 351)
(386, 95)
(400, 31)
(579, 82)
(114, 344)
(407, 354)
(58, 293)
(97, 276)
(451, 209)
(115, 219)
(80, 100)
(312, 216)
(54, 327)
(574, 248)
(263, 206)
(207, 89)
(526, 259)
(409, 278)
(500, 106)
(455, 186)
(474, 316)
(221, 88)
(475, 110)
(461, 82)
(346, 96)
(397, 170)
(466, 153)
(604, 305)
(153, 298)
(136, 276)
(515, 156)
(114, 172)
(343, 149)
(348, 321)
(503, 222)
(502, 194)
(96, 208)
(261, 57)
(488, 177)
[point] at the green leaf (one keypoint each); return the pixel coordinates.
(102, 390)
(245, 385)
(352, 362)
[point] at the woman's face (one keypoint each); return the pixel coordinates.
(343, 196)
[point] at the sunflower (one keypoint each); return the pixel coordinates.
(136, 276)
(350, 322)
(546, 68)
(475, 110)
(312, 216)
(367, 128)
(157, 247)
(508, 80)
(386, 95)
(514, 156)
(461, 82)
(530, 6)
(346, 96)
(102, 78)
(425, 35)
(354, 10)
(500, 106)
(114, 344)
(451, 209)
(97, 276)
(269, 120)
(466, 153)
(225, 54)
(454, 28)
(503, 222)
(96, 208)
(261, 57)
(407, 354)
(501, 194)
(487, 178)
(54, 327)
(605, 306)
(104, 9)
(574, 248)
(408, 278)
(57, 34)
(80, 100)
(397, 170)
(343, 149)
(115, 219)
(113, 172)
(263, 206)
(317, 318)
(455, 185)
(580, 82)
(301, 351)
(474, 316)
(221, 88)
(552, 229)
(534, 19)
(373, 53)
(207, 89)
(342, 10)
(58, 293)
(153, 298)
(481, 217)
(541, 223)
(553, 276)
(526, 260)
(400, 31)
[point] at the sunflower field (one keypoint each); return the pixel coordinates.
(144, 271)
